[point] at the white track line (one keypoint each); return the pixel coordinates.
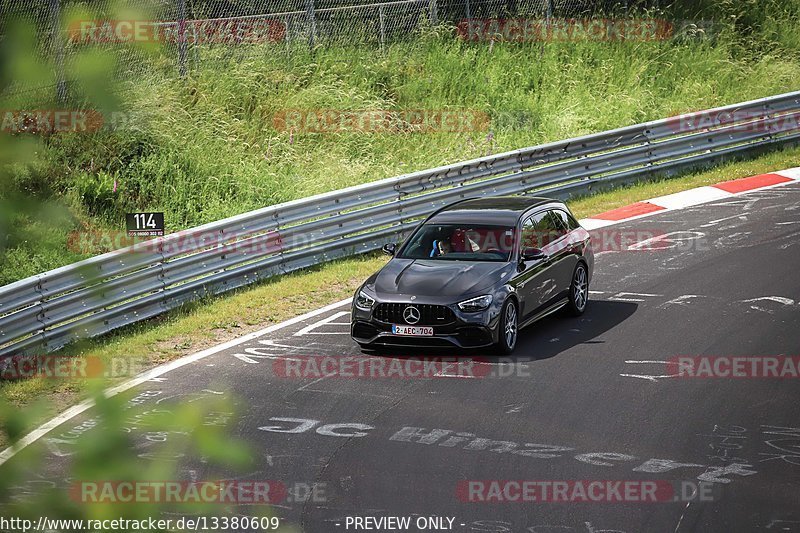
(327, 320)
(160, 370)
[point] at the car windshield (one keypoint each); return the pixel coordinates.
(460, 242)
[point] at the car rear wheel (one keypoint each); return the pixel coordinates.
(578, 291)
(509, 328)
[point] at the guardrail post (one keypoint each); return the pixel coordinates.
(40, 314)
(768, 112)
(649, 142)
(281, 245)
(399, 208)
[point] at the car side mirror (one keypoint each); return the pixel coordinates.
(532, 254)
(389, 248)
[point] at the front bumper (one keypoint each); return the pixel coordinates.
(467, 330)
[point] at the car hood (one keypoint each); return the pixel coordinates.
(437, 278)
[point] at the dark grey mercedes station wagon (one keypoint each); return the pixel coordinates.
(473, 273)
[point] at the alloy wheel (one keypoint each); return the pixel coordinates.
(511, 325)
(580, 288)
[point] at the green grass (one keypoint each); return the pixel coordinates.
(205, 148)
(200, 325)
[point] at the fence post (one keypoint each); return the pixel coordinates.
(547, 26)
(288, 38)
(381, 21)
(58, 50)
(312, 23)
(433, 14)
(195, 50)
(182, 37)
(469, 11)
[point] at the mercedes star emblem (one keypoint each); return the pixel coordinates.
(411, 315)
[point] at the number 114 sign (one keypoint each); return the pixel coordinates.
(144, 224)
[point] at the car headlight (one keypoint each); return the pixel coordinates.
(364, 301)
(476, 304)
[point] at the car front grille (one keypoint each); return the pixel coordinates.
(430, 315)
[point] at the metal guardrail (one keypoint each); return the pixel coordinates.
(44, 312)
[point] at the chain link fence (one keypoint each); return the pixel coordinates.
(178, 36)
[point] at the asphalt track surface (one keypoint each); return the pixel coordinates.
(585, 398)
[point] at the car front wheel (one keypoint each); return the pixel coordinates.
(509, 328)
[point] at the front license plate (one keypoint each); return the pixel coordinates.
(420, 331)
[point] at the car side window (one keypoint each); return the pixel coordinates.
(539, 230)
(552, 228)
(528, 235)
(567, 220)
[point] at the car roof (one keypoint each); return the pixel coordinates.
(504, 210)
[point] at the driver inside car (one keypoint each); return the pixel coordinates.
(459, 241)
(441, 247)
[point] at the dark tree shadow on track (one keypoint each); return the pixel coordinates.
(557, 333)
